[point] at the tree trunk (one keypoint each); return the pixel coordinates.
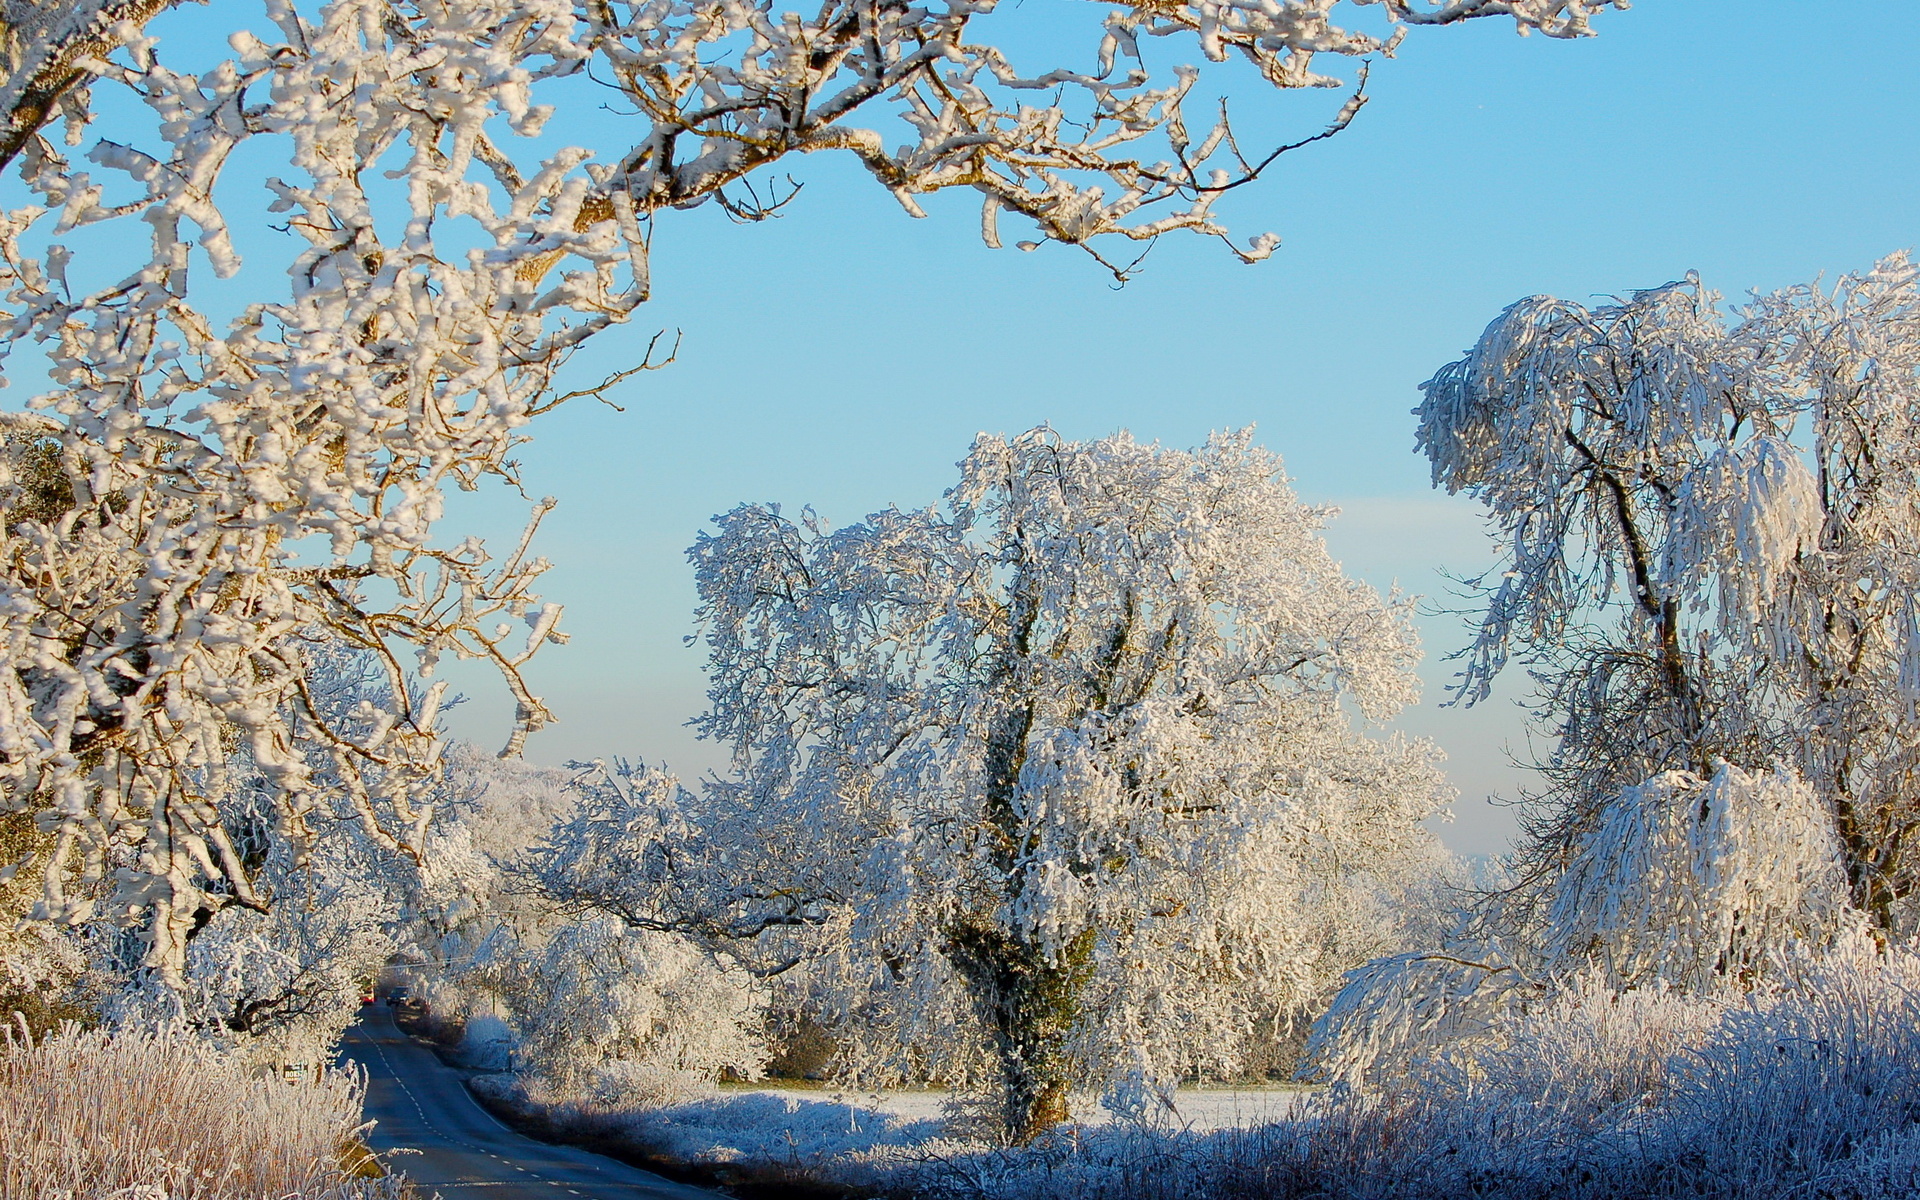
(1029, 1004)
(1027, 998)
(41, 41)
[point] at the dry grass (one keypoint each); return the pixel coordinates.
(151, 1116)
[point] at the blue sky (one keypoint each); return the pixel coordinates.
(844, 355)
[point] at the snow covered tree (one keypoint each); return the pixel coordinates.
(591, 1008)
(1588, 435)
(1075, 748)
(1712, 537)
(196, 498)
(1711, 533)
(280, 980)
(467, 928)
(281, 986)
(159, 614)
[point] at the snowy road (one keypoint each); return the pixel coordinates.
(463, 1152)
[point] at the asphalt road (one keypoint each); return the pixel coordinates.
(428, 1126)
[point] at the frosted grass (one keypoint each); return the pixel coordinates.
(137, 1115)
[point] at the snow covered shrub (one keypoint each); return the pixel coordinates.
(1540, 1095)
(610, 1015)
(1688, 883)
(1793, 1084)
(487, 1042)
(1655, 1092)
(92, 1116)
(1398, 1011)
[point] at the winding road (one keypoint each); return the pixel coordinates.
(428, 1126)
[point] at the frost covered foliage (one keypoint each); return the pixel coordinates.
(277, 980)
(191, 499)
(611, 1015)
(1690, 882)
(1698, 885)
(44, 969)
(158, 1116)
(594, 1012)
(283, 985)
(274, 987)
(1711, 526)
(1058, 781)
(1807, 1089)
(464, 917)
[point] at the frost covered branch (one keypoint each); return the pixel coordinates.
(45, 48)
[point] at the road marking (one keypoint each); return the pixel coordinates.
(458, 1141)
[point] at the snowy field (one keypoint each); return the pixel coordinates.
(860, 1132)
(1201, 1110)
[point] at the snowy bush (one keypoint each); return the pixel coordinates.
(1684, 882)
(1795, 1084)
(162, 1116)
(610, 1015)
(1808, 1087)
(1654, 1091)
(1695, 882)
(487, 1042)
